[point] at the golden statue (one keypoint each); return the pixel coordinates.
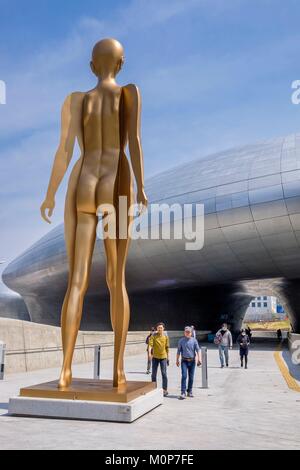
(103, 121)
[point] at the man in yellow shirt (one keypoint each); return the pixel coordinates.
(159, 354)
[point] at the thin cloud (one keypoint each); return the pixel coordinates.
(39, 83)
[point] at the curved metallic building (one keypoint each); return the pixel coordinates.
(13, 306)
(251, 196)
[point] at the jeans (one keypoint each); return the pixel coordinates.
(187, 369)
(223, 351)
(244, 354)
(163, 368)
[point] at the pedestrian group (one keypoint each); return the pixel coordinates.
(189, 354)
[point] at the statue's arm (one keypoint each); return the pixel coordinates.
(133, 119)
(63, 155)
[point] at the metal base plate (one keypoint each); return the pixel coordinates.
(90, 390)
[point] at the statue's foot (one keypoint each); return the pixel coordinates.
(120, 379)
(65, 379)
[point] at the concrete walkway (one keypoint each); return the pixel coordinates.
(242, 409)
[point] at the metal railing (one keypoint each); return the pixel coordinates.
(12, 352)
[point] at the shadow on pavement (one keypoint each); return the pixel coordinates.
(137, 372)
(172, 396)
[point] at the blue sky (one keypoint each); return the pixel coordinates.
(213, 74)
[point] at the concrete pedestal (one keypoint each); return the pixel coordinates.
(86, 410)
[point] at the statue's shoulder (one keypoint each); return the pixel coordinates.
(75, 99)
(78, 95)
(131, 87)
(131, 90)
(132, 96)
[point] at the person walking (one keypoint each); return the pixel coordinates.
(152, 331)
(194, 333)
(224, 342)
(249, 331)
(189, 351)
(279, 334)
(159, 345)
(244, 343)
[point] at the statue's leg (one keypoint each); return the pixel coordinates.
(84, 247)
(111, 275)
(116, 255)
(70, 219)
(70, 225)
(122, 313)
(116, 249)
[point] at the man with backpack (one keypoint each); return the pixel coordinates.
(224, 342)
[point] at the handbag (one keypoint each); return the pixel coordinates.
(218, 340)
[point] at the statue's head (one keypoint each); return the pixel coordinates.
(107, 57)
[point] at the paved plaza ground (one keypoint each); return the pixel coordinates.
(242, 409)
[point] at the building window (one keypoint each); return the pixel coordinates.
(265, 304)
(265, 297)
(253, 305)
(259, 304)
(258, 298)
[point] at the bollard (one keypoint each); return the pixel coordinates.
(204, 367)
(97, 362)
(2, 360)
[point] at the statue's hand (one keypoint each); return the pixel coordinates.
(48, 205)
(142, 201)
